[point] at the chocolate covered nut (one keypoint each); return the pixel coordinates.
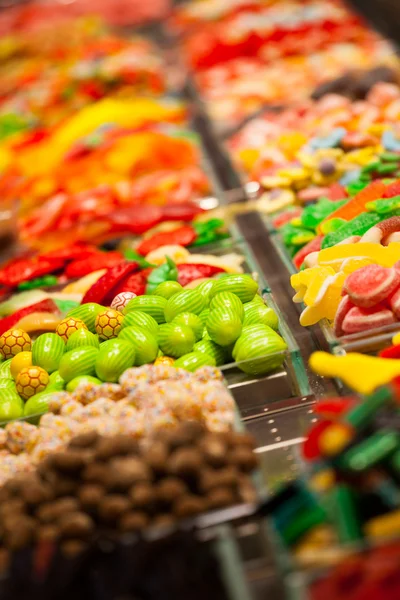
(133, 521)
(163, 520)
(85, 440)
(188, 506)
(212, 478)
(118, 445)
(70, 461)
(185, 462)
(95, 473)
(112, 507)
(156, 456)
(13, 506)
(90, 495)
(142, 495)
(21, 533)
(35, 492)
(220, 497)
(243, 458)
(48, 533)
(235, 438)
(186, 434)
(64, 486)
(52, 511)
(214, 450)
(76, 525)
(169, 489)
(73, 548)
(124, 472)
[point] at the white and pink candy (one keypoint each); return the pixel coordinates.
(121, 300)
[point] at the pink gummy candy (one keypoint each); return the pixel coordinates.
(343, 308)
(382, 230)
(362, 319)
(394, 303)
(371, 284)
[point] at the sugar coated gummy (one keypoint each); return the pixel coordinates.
(371, 284)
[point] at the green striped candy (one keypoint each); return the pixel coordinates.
(8, 384)
(175, 340)
(138, 318)
(47, 351)
(73, 384)
(211, 349)
(5, 371)
(205, 288)
(224, 326)
(204, 315)
(240, 284)
(11, 406)
(37, 405)
(151, 305)
(167, 289)
(187, 301)
(144, 342)
(113, 358)
(82, 337)
(193, 361)
(259, 314)
(88, 313)
(259, 350)
(191, 320)
(56, 382)
(228, 300)
(78, 362)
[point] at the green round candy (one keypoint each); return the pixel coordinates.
(144, 342)
(240, 284)
(37, 405)
(193, 361)
(205, 288)
(80, 361)
(87, 313)
(73, 384)
(187, 301)
(47, 351)
(82, 337)
(151, 305)
(259, 314)
(166, 289)
(259, 350)
(212, 349)
(191, 320)
(224, 326)
(175, 340)
(56, 382)
(137, 318)
(11, 406)
(204, 315)
(256, 300)
(5, 369)
(228, 300)
(114, 357)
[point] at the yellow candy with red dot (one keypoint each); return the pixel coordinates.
(31, 381)
(13, 342)
(21, 361)
(68, 326)
(109, 323)
(164, 360)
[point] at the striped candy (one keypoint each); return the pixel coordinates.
(259, 350)
(193, 361)
(48, 350)
(259, 314)
(224, 326)
(191, 320)
(87, 313)
(187, 301)
(78, 362)
(140, 319)
(113, 358)
(82, 337)
(240, 284)
(151, 305)
(211, 349)
(175, 340)
(228, 300)
(144, 342)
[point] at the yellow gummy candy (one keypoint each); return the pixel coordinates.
(326, 302)
(309, 278)
(360, 372)
(396, 339)
(386, 256)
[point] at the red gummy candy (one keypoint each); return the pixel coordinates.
(392, 190)
(310, 447)
(313, 246)
(391, 352)
(363, 319)
(371, 284)
(188, 273)
(183, 236)
(343, 308)
(43, 306)
(333, 408)
(337, 192)
(94, 262)
(286, 217)
(135, 283)
(102, 291)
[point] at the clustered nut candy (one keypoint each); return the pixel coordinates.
(115, 485)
